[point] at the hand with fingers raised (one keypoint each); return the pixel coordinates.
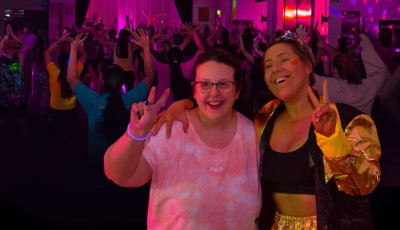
(77, 42)
(144, 115)
(141, 38)
(323, 116)
(190, 29)
(64, 37)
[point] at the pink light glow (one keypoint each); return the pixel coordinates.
(365, 2)
(371, 19)
(291, 13)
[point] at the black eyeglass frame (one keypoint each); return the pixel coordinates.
(194, 83)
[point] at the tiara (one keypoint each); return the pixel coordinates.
(289, 35)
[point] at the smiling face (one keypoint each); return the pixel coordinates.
(215, 106)
(286, 76)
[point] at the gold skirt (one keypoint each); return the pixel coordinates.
(282, 222)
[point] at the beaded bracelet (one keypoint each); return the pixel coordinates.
(136, 138)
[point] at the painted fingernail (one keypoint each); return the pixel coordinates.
(146, 102)
(317, 119)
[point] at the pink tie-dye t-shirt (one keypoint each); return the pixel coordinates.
(194, 186)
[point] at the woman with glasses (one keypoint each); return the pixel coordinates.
(204, 180)
(319, 160)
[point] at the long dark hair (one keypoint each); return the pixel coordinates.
(347, 69)
(38, 52)
(180, 86)
(66, 91)
(115, 115)
(122, 44)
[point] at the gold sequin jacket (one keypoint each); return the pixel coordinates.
(346, 168)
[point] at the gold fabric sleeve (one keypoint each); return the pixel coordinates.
(352, 157)
(263, 116)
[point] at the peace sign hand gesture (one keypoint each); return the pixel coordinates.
(323, 117)
(144, 114)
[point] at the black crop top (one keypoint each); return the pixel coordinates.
(288, 172)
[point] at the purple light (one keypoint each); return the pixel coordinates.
(397, 50)
(353, 2)
(335, 12)
(369, 10)
(384, 12)
(376, 28)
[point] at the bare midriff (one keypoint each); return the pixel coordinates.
(298, 205)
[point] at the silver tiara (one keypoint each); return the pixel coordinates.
(289, 36)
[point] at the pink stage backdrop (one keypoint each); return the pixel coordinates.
(135, 9)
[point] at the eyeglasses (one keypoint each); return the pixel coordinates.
(206, 86)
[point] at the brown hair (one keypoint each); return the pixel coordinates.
(347, 69)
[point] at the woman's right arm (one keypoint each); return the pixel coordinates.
(142, 40)
(192, 32)
(72, 70)
(50, 50)
(123, 161)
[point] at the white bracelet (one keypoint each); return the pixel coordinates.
(136, 138)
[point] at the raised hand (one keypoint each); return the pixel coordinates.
(323, 117)
(143, 117)
(10, 32)
(190, 29)
(301, 31)
(77, 42)
(141, 38)
(64, 37)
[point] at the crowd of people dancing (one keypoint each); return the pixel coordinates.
(308, 160)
